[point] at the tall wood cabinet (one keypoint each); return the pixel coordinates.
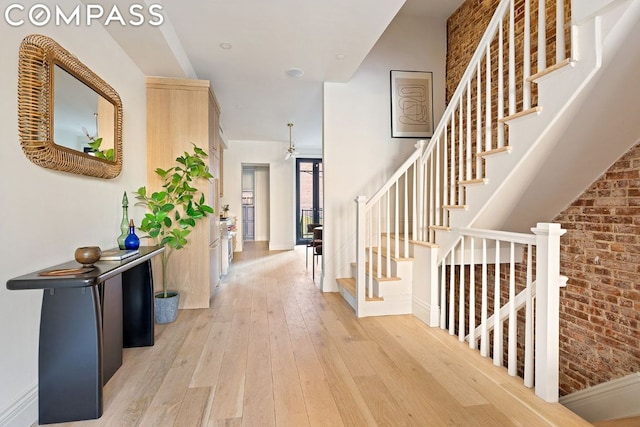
(181, 112)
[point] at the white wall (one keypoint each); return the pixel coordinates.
(281, 187)
(581, 10)
(47, 214)
(359, 153)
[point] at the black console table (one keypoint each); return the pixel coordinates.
(86, 320)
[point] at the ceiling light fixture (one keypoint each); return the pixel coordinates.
(291, 151)
(225, 46)
(295, 73)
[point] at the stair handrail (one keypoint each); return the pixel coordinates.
(398, 173)
(476, 58)
(421, 146)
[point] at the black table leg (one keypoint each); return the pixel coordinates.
(70, 355)
(137, 304)
(111, 297)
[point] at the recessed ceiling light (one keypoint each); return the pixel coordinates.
(296, 73)
(225, 46)
(340, 57)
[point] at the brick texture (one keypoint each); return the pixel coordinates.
(467, 24)
(600, 307)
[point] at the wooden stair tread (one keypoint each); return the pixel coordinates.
(415, 242)
(506, 149)
(532, 78)
(349, 285)
(440, 227)
(452, 207)
(375, 271)
(393, 258)
(473, 181)
(533, 110)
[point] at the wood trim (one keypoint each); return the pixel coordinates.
(495, 151)
(455, 207)
(533, 110)
(532, 78)
(473, 181)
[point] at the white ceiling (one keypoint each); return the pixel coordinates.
(328, 39)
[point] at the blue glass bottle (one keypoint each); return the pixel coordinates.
(132, 241)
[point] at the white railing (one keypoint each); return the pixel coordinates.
(415, 203)
(416, 200)
(473, 125)
(386, 222)
(492, 277)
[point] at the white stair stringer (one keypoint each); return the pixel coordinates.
(508, 200)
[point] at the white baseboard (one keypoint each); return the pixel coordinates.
(614, 399)
(23, 413)
(425, 312)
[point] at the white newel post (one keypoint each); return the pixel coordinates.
(547, 329)
(360, 254)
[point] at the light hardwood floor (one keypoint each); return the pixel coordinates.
(274, 351)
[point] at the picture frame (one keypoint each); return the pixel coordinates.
(411, 104)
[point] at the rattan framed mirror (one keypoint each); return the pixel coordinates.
(53, 86)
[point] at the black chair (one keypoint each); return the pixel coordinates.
(317, 249)
(312, 243)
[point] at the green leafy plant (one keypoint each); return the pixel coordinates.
(107, 154)
(174, 211)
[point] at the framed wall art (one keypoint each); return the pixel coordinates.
(411, 104)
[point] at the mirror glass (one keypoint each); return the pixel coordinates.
(81, 116)
(69, 119)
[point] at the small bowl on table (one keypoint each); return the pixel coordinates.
(87, 255)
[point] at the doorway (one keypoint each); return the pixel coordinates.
(309, 196)
(255, 203)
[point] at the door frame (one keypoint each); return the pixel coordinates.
(316, 196)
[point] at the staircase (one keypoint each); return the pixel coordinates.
(501, 144)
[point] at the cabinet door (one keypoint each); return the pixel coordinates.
(179, 113)
(214, 265)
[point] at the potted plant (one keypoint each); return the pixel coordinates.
(173, 213)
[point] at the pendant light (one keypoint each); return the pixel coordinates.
(291, 151)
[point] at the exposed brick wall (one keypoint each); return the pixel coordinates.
(600, 308)
(467, 24)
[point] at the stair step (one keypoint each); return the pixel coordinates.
(532, 78)
(349, 285)
(375, 274)
(452, 207)
(506, 149)
(533, 110)
(473, 181)
(412, 241)
(384, 255)
(439, 228)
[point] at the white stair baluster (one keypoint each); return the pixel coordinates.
(513, 339)
(497, 328)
